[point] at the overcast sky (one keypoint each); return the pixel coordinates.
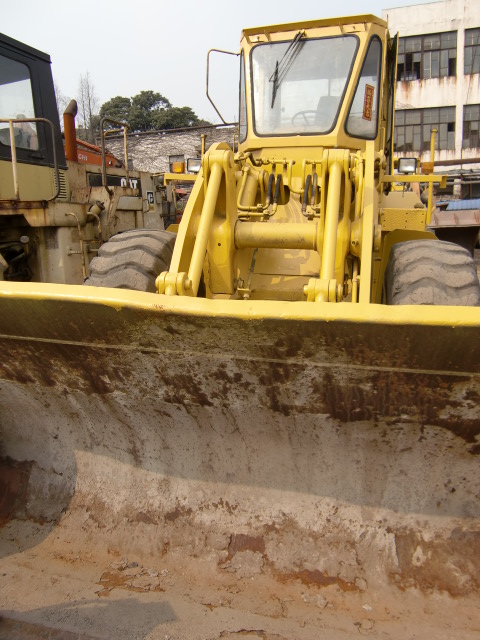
(130, 46)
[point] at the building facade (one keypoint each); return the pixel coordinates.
(438, 81)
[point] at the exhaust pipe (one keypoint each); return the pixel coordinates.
(69, 130)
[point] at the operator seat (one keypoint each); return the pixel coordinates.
(326, 111)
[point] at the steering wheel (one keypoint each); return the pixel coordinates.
(308, 118)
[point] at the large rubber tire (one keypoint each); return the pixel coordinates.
(431, 272)
(132, 260)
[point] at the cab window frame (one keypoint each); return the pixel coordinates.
(312, 133)
(242, 105)
(44, 105)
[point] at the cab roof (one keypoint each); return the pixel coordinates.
(313, 24)
(25, 48)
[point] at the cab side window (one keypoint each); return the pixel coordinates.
(16, 102)
(362, 119)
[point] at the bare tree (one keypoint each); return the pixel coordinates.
(87, 108)
(62, 101)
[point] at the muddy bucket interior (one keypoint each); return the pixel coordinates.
(158, 482)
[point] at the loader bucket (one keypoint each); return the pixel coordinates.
(317, 453)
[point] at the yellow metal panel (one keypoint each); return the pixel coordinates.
(179, 177)
(398, 177)
(75, 296)
(413, 219)
(359, 21)
(369, 218)
(35, 182)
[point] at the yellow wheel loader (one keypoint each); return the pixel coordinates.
(273, 431)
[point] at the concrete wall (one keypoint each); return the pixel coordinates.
(459, 90)
(433, 17)
(151, 151)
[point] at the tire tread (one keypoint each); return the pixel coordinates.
(431, 273)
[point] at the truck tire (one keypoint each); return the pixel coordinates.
(431, 272)
(132, 260)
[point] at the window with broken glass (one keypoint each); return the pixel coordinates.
(472, 51)
(413, 129)
(429, 56)
(471, 119)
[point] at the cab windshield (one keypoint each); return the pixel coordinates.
(298, 85)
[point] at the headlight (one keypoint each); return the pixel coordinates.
(407, 165)
(194, 165)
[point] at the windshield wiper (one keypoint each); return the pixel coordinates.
(274, 78)
(283, 67)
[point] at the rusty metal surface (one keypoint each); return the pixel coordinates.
(456, 218)
(460, 226)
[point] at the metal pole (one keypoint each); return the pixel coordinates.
(430, 185)
(14, 161)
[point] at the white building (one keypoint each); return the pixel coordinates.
(438, 80)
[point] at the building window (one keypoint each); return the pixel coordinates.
(413, 129)
(471, 118)
(472, 51)
(429, 56)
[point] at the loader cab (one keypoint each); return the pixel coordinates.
(27, 92)
(317, 83)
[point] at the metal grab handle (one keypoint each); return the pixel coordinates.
(13, 149)
(124, 126)
(228, 53)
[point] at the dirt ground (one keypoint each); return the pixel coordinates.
(68, 593)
